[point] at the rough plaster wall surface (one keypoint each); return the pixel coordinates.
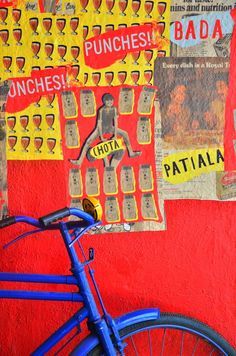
(190, 268)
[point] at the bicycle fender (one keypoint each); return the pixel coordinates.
(137, 316)
(121, 322)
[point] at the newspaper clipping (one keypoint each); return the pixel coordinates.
(197, 81)
(201, 28)
(192, 95)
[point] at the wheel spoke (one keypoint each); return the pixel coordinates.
(163, 343)
(195, 346)
(150, 342)
(213, 351)
(134, 346)
(182, 344)
(174, 335)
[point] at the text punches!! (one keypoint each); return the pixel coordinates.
(37, 85)
(27, 86)
(26, 90)
(115, 44)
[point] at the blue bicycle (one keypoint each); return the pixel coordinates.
(142, 332)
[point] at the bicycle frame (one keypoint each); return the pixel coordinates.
(102, 326)
(105, 333)
(76, 319)
(85, 296)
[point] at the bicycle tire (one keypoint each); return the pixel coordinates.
(214, 343)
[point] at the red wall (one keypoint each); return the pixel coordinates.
(190, 268)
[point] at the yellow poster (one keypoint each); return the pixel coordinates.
(31, 41)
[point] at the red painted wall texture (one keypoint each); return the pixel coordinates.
(190, 268)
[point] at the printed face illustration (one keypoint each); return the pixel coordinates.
(111, 207)
(147, 97)
(145, 100)
(109, 178)
(222, 89)
(110, 183)
(178, 94)
(147, 202)
(143, 130)
(112, 212)
(92, 183)
(109, 175)
(128, 204)
(126, 97)
(75, 178)
(72, 138)
(126, 100)
(127, 179)
(109, 103)
(68, 103)
(87, 98)
(129, 208)
(91, 176)
(68, 98)
(75, 182)
(208, 118)
(70, 130)
(148, 206)
(146, 173)
(143, 125)
(87, 102)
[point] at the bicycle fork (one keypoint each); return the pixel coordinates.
(109, 320)
(103, 327)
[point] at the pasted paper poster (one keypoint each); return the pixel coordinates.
(230, 127)
(201, 28)
(4, 89)
(32, 41)
(37, 36)
(109, 139)
(46, 40)
(226, 181)
(192, 96)
(32, 116)
(198, 29)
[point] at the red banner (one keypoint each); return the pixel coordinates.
(114, 45)
(6, 3)
(24, 91)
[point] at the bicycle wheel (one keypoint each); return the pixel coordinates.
(170, 335)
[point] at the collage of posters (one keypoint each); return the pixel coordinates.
(130, 94)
